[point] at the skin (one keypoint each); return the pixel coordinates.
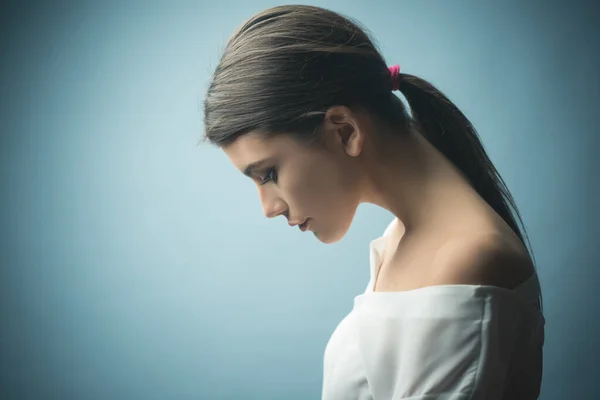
(442, 221)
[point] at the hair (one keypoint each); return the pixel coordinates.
(286, 66)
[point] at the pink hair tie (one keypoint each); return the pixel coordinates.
(395, 74)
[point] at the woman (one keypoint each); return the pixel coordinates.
(303, 104)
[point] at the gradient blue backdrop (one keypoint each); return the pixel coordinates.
(138, 265)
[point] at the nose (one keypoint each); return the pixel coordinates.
(273, 205)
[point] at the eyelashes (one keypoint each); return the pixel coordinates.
(271, 175)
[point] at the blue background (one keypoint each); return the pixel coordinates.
(137, 264)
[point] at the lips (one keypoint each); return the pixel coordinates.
(304, 226)
(301, 224)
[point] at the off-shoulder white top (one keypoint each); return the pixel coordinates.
(450, 342)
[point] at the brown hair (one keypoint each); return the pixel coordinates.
(284, 67)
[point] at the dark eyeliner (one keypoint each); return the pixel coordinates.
(271, 175)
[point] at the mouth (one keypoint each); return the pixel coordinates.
(304, 226)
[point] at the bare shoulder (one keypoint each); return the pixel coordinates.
(487, 259)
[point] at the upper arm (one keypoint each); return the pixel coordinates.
(436, 341)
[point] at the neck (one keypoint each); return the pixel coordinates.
(415, 182)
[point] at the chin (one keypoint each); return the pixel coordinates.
(330, 237)
(338, 228)
(328, 240)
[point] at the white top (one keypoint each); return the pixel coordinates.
(449, 342)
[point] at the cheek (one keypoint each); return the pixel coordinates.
(324, 189)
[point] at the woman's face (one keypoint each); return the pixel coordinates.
(316, 183)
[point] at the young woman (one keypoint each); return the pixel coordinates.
(302, 103)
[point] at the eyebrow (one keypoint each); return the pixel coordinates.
(249, 170)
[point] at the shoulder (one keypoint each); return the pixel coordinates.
(487, 259)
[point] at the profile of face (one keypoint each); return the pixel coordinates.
(315, 186)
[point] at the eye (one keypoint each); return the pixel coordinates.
(271, 175)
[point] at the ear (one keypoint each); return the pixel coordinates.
(343, 128)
